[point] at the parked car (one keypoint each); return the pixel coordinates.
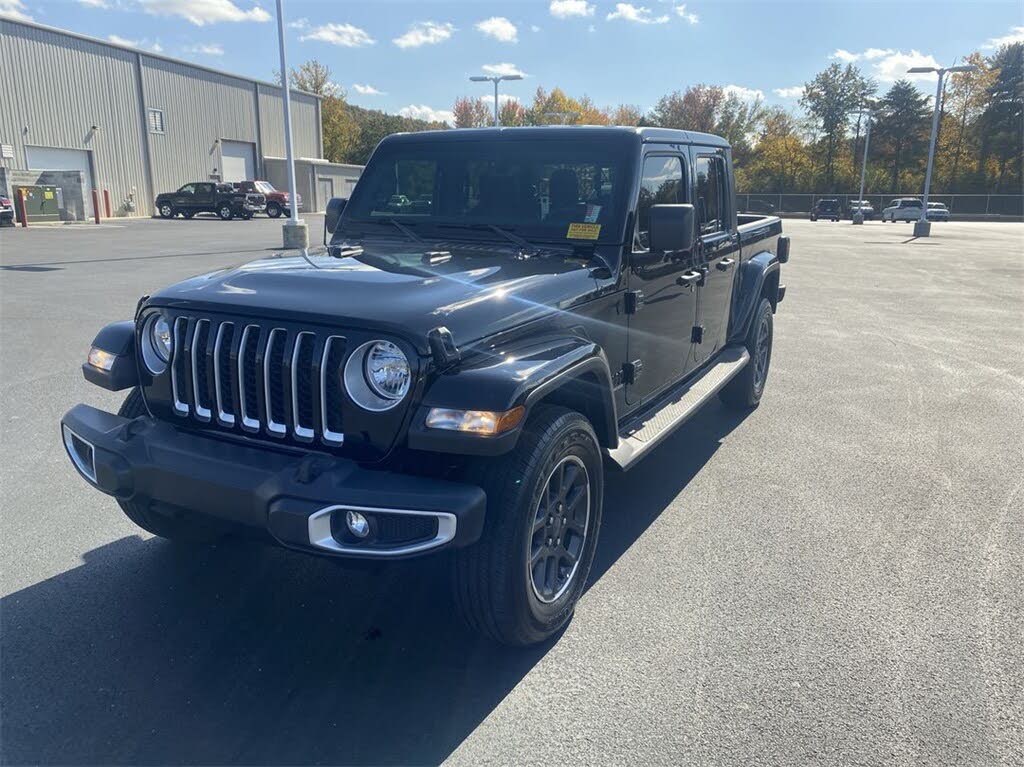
(278, 202)
(453, 380)
(865, 207)
(902, 209)
(937, 211)
(830, 209)
(755, 205)
(208, 197)
(6, 211)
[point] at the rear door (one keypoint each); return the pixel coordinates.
(204, 199)
(719, 250)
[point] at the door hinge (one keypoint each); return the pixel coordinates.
(697, 334)
(634, 300)
(631, 371)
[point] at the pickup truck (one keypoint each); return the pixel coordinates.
(277, 201)
(455, 378)
(208, 197)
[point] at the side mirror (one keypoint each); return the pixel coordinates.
(334, 210)
(672, 228)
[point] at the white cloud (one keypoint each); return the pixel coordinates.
(366, 90)
(302, 23)
(505, 97)
(846, 56)
(503, 69)
(344, 35)
(1016, 36)
(425, 33)
(14, 9)
(793, 92)
(534, 28)
(95, 3)
(118, 40)
(156, 47)
(423, 112)
(591, 28)
(689, 18)
(894, 66)
(206, 49)
(201, 12)
(563, 9)
(877, 53)
(500, 29)
(747, 94)
(635, 14)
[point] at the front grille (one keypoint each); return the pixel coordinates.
(258, 378)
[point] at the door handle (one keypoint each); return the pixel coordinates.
(689, 279)
(724, 264)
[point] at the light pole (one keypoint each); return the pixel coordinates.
(295, 233)
(858, 217)
(496, 79)
(922, 228)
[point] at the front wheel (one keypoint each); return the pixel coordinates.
(273, 210)
(520, 583)
(166, 211)
(744, 391)
(225, 212)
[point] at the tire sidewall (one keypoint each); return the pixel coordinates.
(764, 315)
(274, 210)
(166, 211)
(221, 212)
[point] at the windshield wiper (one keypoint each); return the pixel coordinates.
(513, 238)
(409, 233)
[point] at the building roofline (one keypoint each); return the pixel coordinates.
(150, 54)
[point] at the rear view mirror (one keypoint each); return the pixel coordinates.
(672, 228)
(334, 210)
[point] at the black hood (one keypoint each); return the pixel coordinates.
(482, 289)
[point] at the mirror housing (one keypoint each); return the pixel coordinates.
(672, 228)
(333, 214)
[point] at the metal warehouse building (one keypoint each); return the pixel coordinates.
(81, 114)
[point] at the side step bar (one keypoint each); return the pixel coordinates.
(641, 436)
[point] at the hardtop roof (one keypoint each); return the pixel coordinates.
(646, 135)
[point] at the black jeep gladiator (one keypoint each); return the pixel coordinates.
(450, 377)
(208, 197)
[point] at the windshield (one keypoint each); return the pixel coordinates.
(544, 190)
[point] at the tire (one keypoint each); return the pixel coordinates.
(175, 528)
(814, 218)
(166, 211)
(246, 216)
(744, 391)
(498, 593)
(273, 210)
(188, 215)
(225, 213)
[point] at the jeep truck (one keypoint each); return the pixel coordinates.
(448, 379)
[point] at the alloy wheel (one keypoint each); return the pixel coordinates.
(761, 350)
(559, 531)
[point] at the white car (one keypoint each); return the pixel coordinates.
(902, 209)
(937, 211)
(864, 207)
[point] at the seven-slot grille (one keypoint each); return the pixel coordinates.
(259, 378)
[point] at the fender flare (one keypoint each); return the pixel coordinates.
(569, 370)
(755, 272)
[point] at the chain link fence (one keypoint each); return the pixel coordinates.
(1008, 205)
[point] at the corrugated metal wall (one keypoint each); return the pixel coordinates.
(56, 86)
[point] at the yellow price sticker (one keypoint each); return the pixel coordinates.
(47, 195)
(583, 231)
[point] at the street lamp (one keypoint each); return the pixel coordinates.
(496, 79)
(922, 228)
(858, 217)
(295, 233)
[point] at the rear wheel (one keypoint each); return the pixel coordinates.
(189, 214)
(273, 209)
(166, 211)
(520, 583)
(225, 212)
(177, 528)
(744, 391)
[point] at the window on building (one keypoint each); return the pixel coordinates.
(156, 121)
(711, 194)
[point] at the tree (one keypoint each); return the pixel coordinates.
(829, 99)
(512, 114)
(697, 108)
(626, 114)
(1001, 122)
(314, 77)
(471, 113)
(555, 108)
(902, 129)
(965, 99)
(780, 159)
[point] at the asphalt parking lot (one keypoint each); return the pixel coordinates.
(832, 579)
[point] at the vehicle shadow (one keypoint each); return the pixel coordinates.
(152, 653)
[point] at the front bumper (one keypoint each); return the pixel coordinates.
(299, 498)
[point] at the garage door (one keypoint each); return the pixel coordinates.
(51, 158)
(239, 161)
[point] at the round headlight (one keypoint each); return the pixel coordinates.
(387, 370)
(377, 375)
(160, 335)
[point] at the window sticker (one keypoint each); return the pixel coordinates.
(592, 214)
(583, 231)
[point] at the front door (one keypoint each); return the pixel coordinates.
(184, 198)
(719, 251)
(204, 197)
(659, 329)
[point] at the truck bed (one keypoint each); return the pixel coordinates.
(758, 233)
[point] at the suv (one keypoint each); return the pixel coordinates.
(831, 209)
(937, 211)
(453, 378)
(902, 209)
(207, 197)
(277, 201)
(6, 211)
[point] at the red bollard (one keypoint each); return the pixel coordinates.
(96, 205)
(106, 201)
(20, 201)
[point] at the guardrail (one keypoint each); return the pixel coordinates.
(1008, 205)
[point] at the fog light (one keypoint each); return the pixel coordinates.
(357, 524)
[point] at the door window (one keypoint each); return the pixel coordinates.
(187, 189)
(204, 190)
(660, 184)
(711, 209)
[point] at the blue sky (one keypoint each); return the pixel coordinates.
(414, 57)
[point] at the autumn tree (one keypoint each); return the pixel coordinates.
(1002, 122)
(512, 114)
(471, 113)
(901, 129)
(830, 98)
(626, 114)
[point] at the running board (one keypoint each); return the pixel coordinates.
(641, 436)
